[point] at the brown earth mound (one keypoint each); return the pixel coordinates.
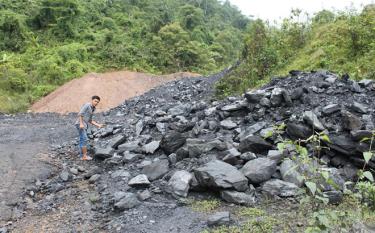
(113, 88)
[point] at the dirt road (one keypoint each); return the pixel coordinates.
(24, 144)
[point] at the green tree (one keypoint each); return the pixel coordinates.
(60, 15)
(13, 33)
(190, 17)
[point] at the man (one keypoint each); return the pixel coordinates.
(85, 117)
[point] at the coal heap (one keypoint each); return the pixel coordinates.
(176, 139)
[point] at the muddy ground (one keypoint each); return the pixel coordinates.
(25, 141)
(26, 148)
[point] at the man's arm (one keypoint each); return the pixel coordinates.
(81, 125)
(97, 124)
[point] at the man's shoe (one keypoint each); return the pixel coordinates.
(86, 157)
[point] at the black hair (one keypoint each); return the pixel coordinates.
(95, 97)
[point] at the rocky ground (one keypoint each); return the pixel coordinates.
(175, 143)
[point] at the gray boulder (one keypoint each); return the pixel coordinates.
(239, 198)
(103, 153)
(275, 155)
(228, 124)
(259, 170)
(128, 201)
(116, 141)
(358, 135)
(334, 197)
(139, 127)
(172, 141)
(247, 156)
(276, 96)
(151, 147)
(255, 96)
(65, 176)
(130, 157)
(289, 172)
(179, 110)
(139, 181)
(298, 131)
(132, 146)
(235, 106)
(313, 120)
(196, 147)
(218, 219)
(280, 188)
(332, 108)
(156, 169)
(252, 130)
(220, 175)
(343, 144)
(254, 144)
(120, 173)
(179, 183)
(351, 121)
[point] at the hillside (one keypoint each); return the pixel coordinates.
(46, 43)
(342, 42)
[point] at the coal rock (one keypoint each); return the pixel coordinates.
(103, 153)
(179, 183)
(351, 121)
(254, 144)
(139, 181)
(313, 120)
(151, 147)
(218, 219)
(330, 109)
(228, 124)
(116, 141)
(239, 198)
(298, 131)
(280, 188)
(128, 201)
(259, 170)
(219, 175)
(156, 169)
(360, 108)
(289, 172)
(65, 176)
(172, 141)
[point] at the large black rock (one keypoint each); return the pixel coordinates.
(172, 141)
(298, 131)
(254, 144)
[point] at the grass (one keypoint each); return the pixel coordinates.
(288, 216)
(13, 103)
(205, 206)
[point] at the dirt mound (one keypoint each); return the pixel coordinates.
(114, 88)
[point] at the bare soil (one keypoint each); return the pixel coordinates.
(113, 88)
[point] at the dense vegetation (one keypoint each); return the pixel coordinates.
(45, 43)
(341, 42)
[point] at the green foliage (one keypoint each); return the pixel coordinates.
(340, 42)
(13, 79)
(45, 43)
(60, 16)
(191, 17)
(13, 32)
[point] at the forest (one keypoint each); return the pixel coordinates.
(341, 42)
(45, 43)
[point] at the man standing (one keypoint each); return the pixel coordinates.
(85, 117)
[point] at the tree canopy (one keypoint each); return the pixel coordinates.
(45, 43)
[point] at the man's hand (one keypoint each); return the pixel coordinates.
(81, 126)
(97, 124)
